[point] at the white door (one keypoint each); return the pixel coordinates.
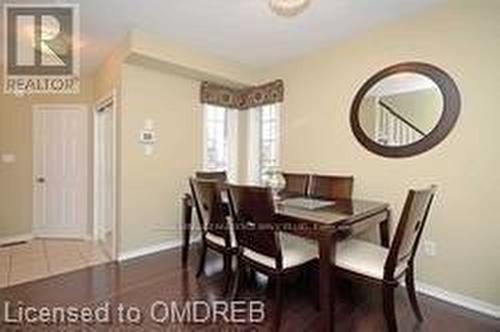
(60, 171)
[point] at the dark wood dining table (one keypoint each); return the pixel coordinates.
(327, 226)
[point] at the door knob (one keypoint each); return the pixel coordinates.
(40, 180)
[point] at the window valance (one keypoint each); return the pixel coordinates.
(242, 99)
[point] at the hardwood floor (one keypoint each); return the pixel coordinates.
(143, 281)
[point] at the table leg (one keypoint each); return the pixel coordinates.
(384, 231)
(327, 244)
(187, 211)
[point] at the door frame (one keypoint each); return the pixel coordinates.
(35, 219)
(108, 98)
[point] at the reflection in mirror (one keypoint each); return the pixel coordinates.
(401, 109)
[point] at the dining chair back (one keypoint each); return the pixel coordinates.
(253, 211)
(261, 245)
(209, 207)
(219, 176)
(409, 230)
(296, 184)
(331, 187)
(368, 261)
(217, 231)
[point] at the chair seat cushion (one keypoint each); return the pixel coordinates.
(219, 240)
(364, 258)
(295, 251)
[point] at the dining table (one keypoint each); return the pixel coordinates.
(327, 225)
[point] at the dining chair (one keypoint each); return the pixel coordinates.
(331, 187)
(217, 231)
(369, 262)
(261, 245)
(205, 175)
(295, 184)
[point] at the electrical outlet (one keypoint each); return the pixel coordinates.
(430, 248)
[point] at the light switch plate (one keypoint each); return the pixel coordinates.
(8, 158)
(148, 150)
(430, 248)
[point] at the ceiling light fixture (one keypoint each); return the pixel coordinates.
(288, 8)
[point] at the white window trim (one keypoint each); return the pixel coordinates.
(253, 145)
(254, 142)
(232, 146)
(232, 138)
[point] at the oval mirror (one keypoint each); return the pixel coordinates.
(405, 110)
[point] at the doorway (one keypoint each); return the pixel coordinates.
(60, 155)
(61, 198)
(105, 175)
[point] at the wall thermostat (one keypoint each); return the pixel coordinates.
(147, 137)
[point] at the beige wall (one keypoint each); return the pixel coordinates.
(16, 138)
(107, 77)
(461, 38)
(152, 186)
(161, 80)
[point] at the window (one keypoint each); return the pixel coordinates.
(219, 139)
(264, 141)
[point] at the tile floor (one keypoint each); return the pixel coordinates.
(41, 258)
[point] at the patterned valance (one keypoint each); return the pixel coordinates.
(219, 95)
(242, 99)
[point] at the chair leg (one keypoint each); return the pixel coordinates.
(236, 280)
(252, 277)
(228, 271)
(410, 288)
(389, 309)
(203, 254)
(278, 302)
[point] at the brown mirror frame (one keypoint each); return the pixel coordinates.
(449, 116)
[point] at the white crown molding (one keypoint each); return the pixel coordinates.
(459, 299)
(17, 238)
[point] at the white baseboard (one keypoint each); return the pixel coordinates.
(57, 236)
(153, 249)
(459, 299)
(17, 238)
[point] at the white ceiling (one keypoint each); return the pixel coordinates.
(244, 31)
